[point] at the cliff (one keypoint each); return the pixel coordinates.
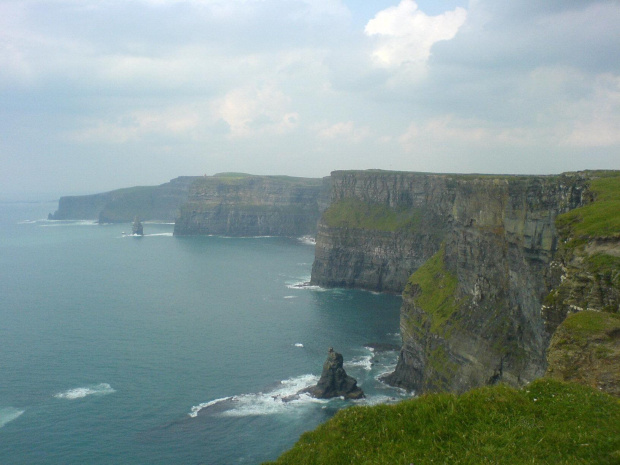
(245, 205)
(477, 258)
(123, 205)
(379, 228)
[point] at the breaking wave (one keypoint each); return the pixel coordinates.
(80, 392)
(305, 284)
(307, 240)
(55, 223)
(8, 414)
(282, 398)
(364, 362)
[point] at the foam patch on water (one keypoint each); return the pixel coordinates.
(364, 362)
(80, 392)
(307, 240)
(279, 400)
(299, 344)
(54, 223)
(290, 296)
(8, 414)
(305, 284)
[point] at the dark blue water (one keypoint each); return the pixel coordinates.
(167, 350)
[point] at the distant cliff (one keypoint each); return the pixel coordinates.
(246, 205)
(478, 258)
(123, 205)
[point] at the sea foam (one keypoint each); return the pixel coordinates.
(8, 414)
(80, 392)
(308, 240)
(281, 399)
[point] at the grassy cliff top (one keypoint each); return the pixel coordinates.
(600, 218)
(548, 422)
(238, 178)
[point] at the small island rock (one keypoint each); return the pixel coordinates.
(334, 381)
(137, 229)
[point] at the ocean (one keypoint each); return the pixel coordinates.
(170, 350)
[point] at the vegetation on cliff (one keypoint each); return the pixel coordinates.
(598, 219)
(589, 252)
(354, 213)
(548, 422)
(586, 349)
(433, 289)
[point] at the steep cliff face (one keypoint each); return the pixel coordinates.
(245, 205)
(471, 316)
(121, 206)
(484, 250)
(380, 227)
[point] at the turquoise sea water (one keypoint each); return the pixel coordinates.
(168, 350)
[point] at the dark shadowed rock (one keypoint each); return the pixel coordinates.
(334, 380)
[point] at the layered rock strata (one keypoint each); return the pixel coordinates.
(379, 228)
(476, 257)
(245, 205)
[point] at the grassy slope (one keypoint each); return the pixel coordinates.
(547, 422)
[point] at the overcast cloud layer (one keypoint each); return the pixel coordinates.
(101, 94)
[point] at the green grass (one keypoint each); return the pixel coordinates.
(548, 422)
(600, 218)
(356, 214)
(434, 290)
(591, 323)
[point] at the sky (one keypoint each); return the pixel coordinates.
(102, 94)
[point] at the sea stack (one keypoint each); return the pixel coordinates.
(137, 229)
(334, 381)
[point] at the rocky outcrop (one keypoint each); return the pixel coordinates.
(586, 349)
(481, 253)
(137, 228)
(334, 381)
(121, 206)
(246, 205)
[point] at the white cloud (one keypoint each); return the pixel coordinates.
(405, 34)
(175, 121)
(255, 110)
(344, 130)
